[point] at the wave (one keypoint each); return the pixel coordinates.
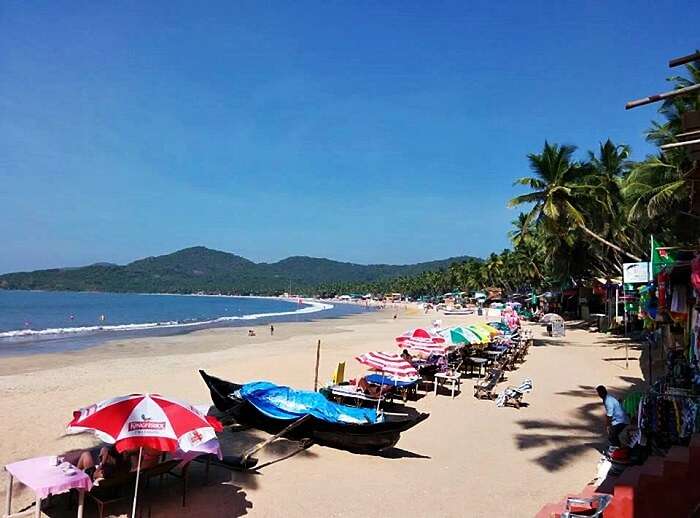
(312, 306)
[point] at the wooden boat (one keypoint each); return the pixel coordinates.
(458, 311)
(370, 437)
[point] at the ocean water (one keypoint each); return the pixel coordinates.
(38, 321)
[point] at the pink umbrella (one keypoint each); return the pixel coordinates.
(147, 420)
(419, 337)
(392, 365)
(426, 349)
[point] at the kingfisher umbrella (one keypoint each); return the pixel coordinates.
(140, 421)
(392, 365)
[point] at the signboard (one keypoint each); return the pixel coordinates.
(558, 328)
(635, 272)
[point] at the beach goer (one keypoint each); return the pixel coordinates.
(616, 417)
(251, 332)
(370, 389)
(110, 463)
(406, 355)
(272, 330)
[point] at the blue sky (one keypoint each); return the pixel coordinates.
(367, 132)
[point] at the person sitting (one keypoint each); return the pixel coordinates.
(110, 463)
(616, 417)
(406, 356)
(371, 389)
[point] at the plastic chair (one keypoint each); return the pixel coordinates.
(588, 507)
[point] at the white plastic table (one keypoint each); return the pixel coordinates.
(42, 478)
(441, 378)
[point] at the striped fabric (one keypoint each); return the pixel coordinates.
(420, 336)
(424, 348)
(146, 420)
(392, 365)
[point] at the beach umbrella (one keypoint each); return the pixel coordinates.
(152, 421)
(491, 331)
(425, 349)
(483, 335)
(392, 365)
(550, 317)
(420, 336)
(460, 336)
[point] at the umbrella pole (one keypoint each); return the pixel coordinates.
(379, 399)
(136, 489)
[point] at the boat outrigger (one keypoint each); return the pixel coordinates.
(308, 415)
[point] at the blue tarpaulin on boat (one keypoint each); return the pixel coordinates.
(281, 402)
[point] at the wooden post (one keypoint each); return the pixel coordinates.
(318, 360)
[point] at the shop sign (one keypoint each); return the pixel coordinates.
(635, 272)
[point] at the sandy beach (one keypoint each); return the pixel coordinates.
(469, 458)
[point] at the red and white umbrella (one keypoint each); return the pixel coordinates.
(419, 337)
(152, 421)
(392, 365)
(148, 421)
(425, 349)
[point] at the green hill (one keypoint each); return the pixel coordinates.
(202, 269)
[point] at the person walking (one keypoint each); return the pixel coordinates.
(616, 417)
(272, 330)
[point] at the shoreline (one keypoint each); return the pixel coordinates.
(31, 342)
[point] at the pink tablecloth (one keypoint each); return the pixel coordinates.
(47, 480)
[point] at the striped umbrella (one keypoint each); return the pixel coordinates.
(419, 337)
(460, 336)
(480, 332)
(392, 365)
(425, 349)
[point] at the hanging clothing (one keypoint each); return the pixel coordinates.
(679, 299)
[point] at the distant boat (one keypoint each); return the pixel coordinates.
(273, 408)
(460, 311)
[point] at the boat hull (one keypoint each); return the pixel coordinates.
(359, 438)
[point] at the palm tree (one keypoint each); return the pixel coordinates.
(559, 190)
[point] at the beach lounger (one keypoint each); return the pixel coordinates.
(348, 392)
(483, 389)
(514, 395)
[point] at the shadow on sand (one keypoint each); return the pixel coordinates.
(565, 440)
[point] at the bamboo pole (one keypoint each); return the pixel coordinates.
(318, 360)
(684, 59)
(660, 97)
(680, 144)
(262, 444)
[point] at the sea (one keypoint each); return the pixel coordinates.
(51, 321)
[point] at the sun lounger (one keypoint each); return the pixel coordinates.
(514, 395)
(483, 389)
(348, 392)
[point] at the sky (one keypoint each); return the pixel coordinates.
(371, 132)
